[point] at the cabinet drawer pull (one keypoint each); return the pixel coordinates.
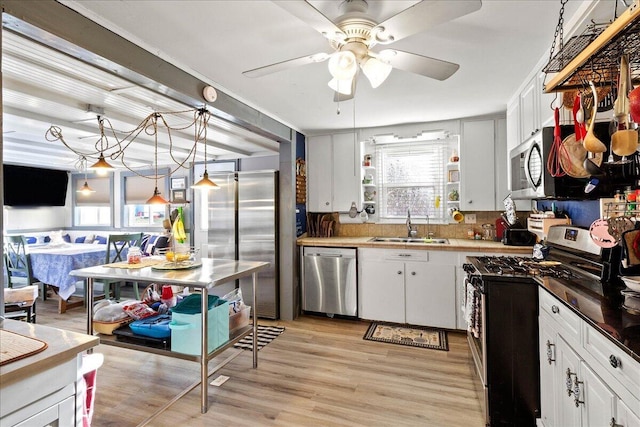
(399, 271)
(576, 392)
(413, 273)
(549, 352)
(555, 309)
(614, 424)
(614, 361)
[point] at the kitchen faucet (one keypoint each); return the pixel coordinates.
(410, 231)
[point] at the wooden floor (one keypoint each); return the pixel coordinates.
(319, 372)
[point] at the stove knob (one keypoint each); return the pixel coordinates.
(555, 309)
(614, 361)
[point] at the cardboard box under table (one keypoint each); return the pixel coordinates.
(186, 324)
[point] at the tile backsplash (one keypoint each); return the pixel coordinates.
(451, 231)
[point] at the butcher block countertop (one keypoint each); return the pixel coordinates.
(457, 245)
(62, 346)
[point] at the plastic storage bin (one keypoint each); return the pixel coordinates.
(239, 319)
(186, 327)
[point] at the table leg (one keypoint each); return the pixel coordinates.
(255, 320)
(204, 352)
(89, 291)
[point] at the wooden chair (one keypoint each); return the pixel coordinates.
(20, 303)
(116, 252)
(18, 264)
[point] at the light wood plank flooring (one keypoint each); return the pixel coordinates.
(319, 372)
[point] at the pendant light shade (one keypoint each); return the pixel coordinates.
(85, 190)
(205, 183)
(101, 166)
(156, 199)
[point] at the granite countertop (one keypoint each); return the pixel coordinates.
(457, 245)
(62, 346)
(605, 313)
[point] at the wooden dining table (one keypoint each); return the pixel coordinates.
(51, 264)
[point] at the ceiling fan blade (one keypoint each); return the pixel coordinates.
(285, 65)
(426, 14)
(312, 16)
(423, 65)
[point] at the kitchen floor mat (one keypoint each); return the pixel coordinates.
(416, 336)
(266, 334)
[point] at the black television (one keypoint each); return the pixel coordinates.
(28, 186)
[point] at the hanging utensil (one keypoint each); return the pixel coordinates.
(625, 141)
(591, 142)
(554, 164)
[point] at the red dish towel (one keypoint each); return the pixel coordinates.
(89, 371)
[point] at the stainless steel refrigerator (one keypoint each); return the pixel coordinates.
(240, 222)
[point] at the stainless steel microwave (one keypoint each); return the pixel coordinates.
(530, 178)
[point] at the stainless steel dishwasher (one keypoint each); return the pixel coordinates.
(329, 281)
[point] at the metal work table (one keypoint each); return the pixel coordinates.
(213, 272)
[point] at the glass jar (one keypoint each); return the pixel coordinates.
(134, 255)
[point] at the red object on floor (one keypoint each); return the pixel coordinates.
(89, 371)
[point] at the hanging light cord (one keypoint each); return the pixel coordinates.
(115, 146)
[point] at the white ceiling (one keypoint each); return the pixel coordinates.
(496, 47)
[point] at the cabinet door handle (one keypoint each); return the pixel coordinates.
(568, 382)
(614, 361)
(614, 424)
(399, 272)
(549, 352)
(555, 309)
(576, 392)
(413, 273)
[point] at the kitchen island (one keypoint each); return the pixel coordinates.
(202, 277)
(40, 389)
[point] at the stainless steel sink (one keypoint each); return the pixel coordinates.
(410, 240)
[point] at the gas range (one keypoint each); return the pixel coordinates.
(517, 266)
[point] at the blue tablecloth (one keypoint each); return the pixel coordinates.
(52, 264)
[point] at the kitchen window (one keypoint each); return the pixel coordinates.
(137, 190)
(412, 176)
(94, 209)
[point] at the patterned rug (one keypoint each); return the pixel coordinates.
(266, 334)
(416, 336)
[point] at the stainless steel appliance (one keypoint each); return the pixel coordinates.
(501, 312)
(240, 222)
(531, 179)
(329, 281)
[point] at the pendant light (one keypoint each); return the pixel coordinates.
(85, 190)
(156, 199)
(205, 183)
(101, 167)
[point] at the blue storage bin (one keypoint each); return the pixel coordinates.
(186, 327)
(154, 326)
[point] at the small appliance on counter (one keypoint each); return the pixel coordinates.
(518, 237)
(539, 223)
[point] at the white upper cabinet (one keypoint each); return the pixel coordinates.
(477, 164)
(333, 173)
(529, 111)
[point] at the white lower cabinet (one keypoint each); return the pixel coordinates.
(407, 286)
(575, 391)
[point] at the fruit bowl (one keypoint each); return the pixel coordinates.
(179, 254)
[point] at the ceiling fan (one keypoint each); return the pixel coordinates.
(354, 36)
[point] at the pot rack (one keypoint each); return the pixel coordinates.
(595, 54)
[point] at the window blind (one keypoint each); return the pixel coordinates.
(101, 186)
(138, 189)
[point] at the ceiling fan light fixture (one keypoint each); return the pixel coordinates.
(341, 86)
(376, 71)
(343, 65)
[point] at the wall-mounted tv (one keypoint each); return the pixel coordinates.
(27, 186)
